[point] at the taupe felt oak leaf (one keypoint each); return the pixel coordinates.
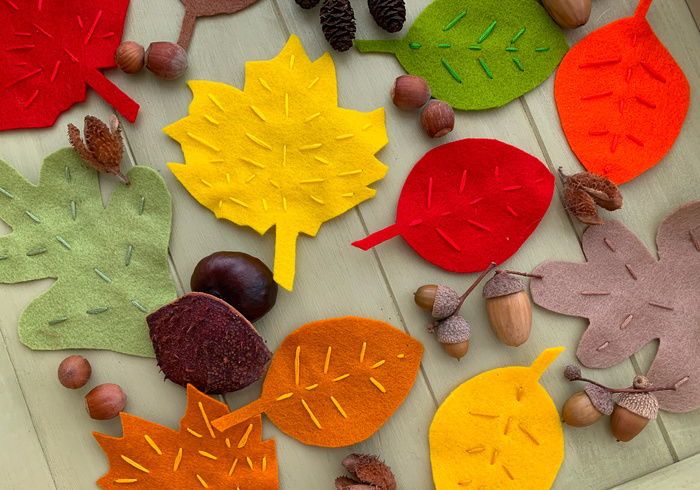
(631, 299)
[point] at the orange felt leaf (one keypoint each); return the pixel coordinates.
(198, 456)
(334, 382)
(622, 98)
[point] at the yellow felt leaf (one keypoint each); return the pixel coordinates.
(281, 152)
(498, 430)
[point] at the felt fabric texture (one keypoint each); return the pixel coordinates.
(622, 98)
(478, 54)
(498, 430)
(333, 383)
(198, 456)
(281, 152)
(111, 264)
(631, 299)
(49, 51)
(201, 8)
(468, 203)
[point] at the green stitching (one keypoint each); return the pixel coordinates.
(67, 175)
(33, 217)
(95, 311)
(512, 49)
(454, 21)
(3, 257)
(541, 49)
(139, 306)
(487, 32)
(31, 253)
(452, 72)
(58, 320)
(518, 63)
(143, 201)
(99, 273)
(414, 46)
(518, 35)
(475, 47)
(128, 255)
(73, 210)
(486, 68)
(63, 242)
(444, 45)
(3, 191)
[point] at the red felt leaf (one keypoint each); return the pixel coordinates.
(49, 51)
(622, 98)
(468, 203)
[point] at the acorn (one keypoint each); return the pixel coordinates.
(410, 92)
(166, 60)
(587, 407)
(508, 307)
(633, 411)
(440, 300)
(569, 14)
(454, 333)
(74, 372)
(129, 56)
(105, 401)
(437, 118)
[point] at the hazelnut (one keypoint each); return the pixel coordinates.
(129, 56)
(74, 372)
(105, 401)
(166, 60)
(410, 92)
(437, 118)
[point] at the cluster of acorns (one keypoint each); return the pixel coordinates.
(411, 92)
(507, 304)
(165, 60)
(630, 412)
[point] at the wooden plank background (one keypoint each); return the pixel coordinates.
(45, 439)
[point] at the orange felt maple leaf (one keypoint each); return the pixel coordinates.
(198, 456)
(334, 382)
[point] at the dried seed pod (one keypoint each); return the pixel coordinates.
(74, 372)
(454, 332)
(390, 15)
(129, 56)
(437, 118)
(508, 307)
(166, 60)
(105, 401)
(410, 92)
(338, 24)
(569, 14)
(439, 299)
(584, 190)
(307, 4)
(633, 411)
(103, 146)
(572, 372)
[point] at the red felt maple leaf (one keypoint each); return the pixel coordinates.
(50, 50)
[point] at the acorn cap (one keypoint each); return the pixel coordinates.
(502, 284)
(446, 301)
(643, 404)
(454, 330)
(601, 400)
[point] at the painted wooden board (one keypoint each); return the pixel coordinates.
(683, 475)
(335, 279)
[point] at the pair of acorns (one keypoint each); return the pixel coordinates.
(507, 304)
(630, 412)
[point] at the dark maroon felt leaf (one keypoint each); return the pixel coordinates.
(468, 203)
(202, 340)
(50, 50)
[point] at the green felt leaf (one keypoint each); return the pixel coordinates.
(478, 54)
(111, 264)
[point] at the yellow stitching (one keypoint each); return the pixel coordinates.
(244, 439)
(250, 463)
(204, 484)
(378, 364)
(206, 420)
(328, 361)
(208, 455)
(341, 377)
(377, 384)
(284, 397)
(311, 414)
(296, 366)
(312, 387)
(362, 352)
(196, 434)
(233, 467)
(203, 141)
(178, 458)
(134, 464)
(340, 409)
(153, 445)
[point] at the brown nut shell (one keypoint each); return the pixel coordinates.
(625, 425)
(166, 60)
(105, 401)
(74, 372)
(130, 56)
(578, 411)
(510, 317)
(569, 14)
(437, 118)
(410, 92)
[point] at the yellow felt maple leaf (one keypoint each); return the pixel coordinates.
(281, 152)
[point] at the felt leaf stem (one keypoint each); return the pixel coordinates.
(631, 299)
(334, 382)
(111, 264)
(281, 152)
(50, 50)
(468, 203)
(202, 8)
(150, 456)
(622, 98)
(478, 54)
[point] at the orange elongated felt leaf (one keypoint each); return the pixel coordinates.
(334, 382)
(198, 456)
(622, 98)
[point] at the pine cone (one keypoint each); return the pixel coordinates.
(307, 4)
(338, 23)
(388, 14)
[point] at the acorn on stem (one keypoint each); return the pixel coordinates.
(587, 407)
(633, 411)
(508, 307)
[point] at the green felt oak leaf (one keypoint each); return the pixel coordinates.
(111, 264)
(478, 54)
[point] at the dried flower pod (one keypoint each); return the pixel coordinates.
(569, 14)
(437, 118)
(338, 24)
(166, 60)
(105, 401)
(508, 307)
(307, 4)
(454, 332)
(410, 92)
(130, 56)
(103, 147)
(74, 372)
(584, 190)
(390, 15)
(373, 473)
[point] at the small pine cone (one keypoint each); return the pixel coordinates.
(338, 23)
(388, 14)
(307, 4)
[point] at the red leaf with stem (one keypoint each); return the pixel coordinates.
(50, 50)
(622, 98)
(468, 203)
